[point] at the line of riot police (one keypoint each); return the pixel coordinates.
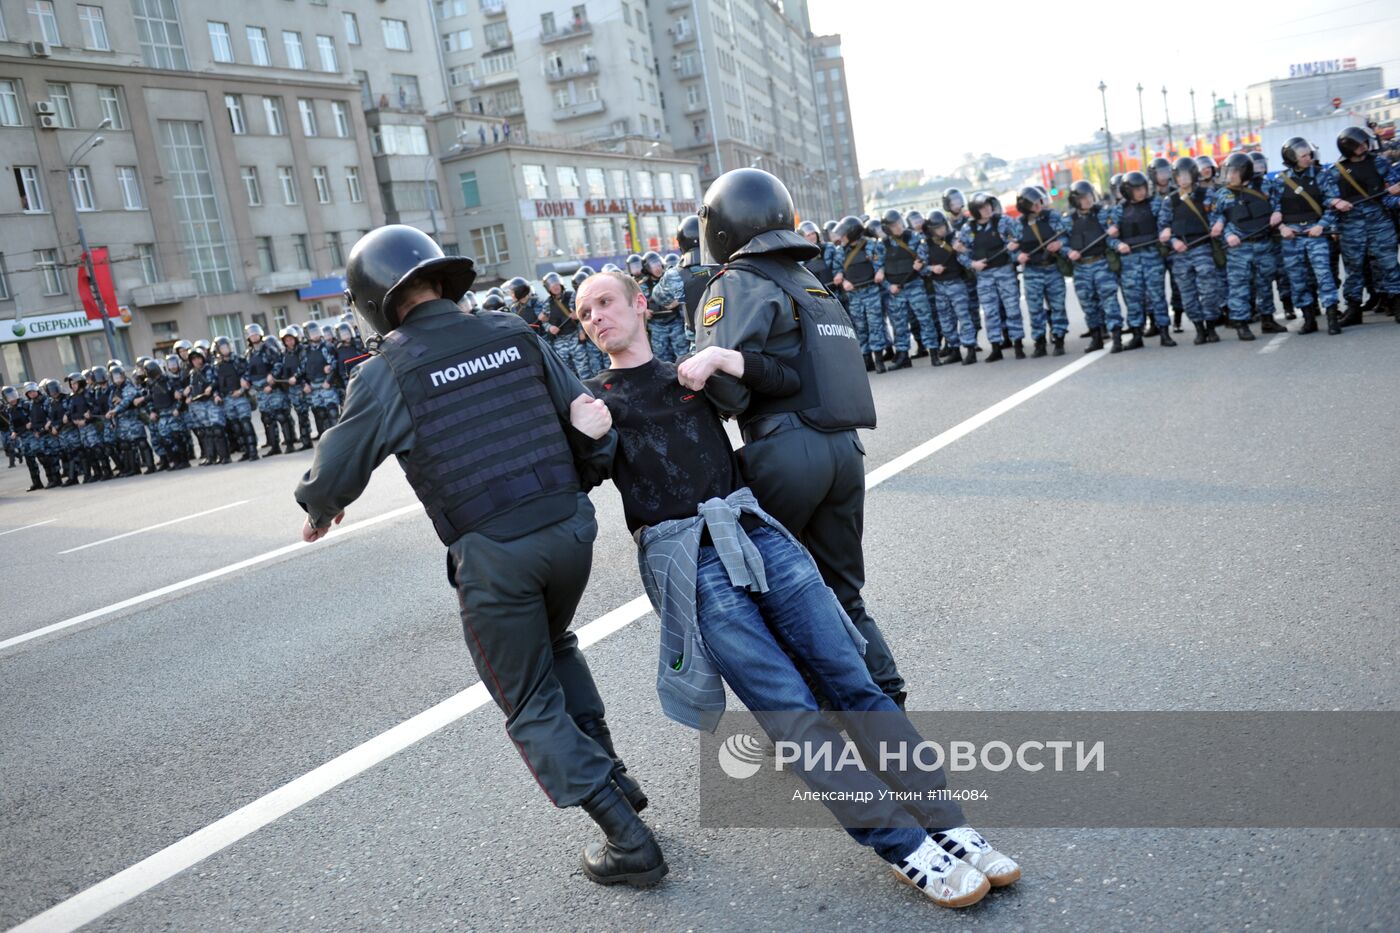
(113, 421)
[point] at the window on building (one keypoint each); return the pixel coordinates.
(644, 185)
(600, 236)
(62, 102)
(542, 232)
(497, 35)
(335, 250)
(10, 113)
(220, 45)
(322, 177)
(397, 139)
(498, 64)
(158, 29)
(617, 183)
(352, 183)
(665, 185)
(258, 50)
(471, 195)
(536, 181)
(41, 11)
(191, 188)
(287, 179)
(325, 48)
(296, 55)
(650, 230)
(366, 95)
(130, 183)
(395, 34)
(80, 182)
(226, 325)
(31, 193)
(490, 244)
(568, 181)
(341, 115)
(307, 108)
(5, 293)
(687, 186)
(457, 40)
(252, 187)
(46, 264)
(406, 91)
(352, 29)
(272, 111)
(575, 242)
(150, 268)
(233, 103)
(639, 90)
(302, 250)
(446, 9)
(94, 28)
(279, 319)
(594, 185)
(267, 258)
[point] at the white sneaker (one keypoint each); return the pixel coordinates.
(945, 880)
(966, 843)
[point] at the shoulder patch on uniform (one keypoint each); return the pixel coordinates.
(712, 311)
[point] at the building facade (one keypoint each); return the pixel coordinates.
(838, 129)
(1309, 95)
(226, 155)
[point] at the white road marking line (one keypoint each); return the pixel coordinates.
(27, 527)
(1274, 344)
(173, 521)
(204, 577)
(107, 895)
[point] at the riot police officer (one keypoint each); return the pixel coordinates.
(206, 410)
(799, 406)
(479, 412)
(231, 385)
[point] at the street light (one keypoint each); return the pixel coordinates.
(1107, 137)
(1142, 129)
(1167, 119)
(87, 145)
(1195, 129)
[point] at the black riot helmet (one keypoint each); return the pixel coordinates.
(914, 220)
(954, 202)
(849, 229)
(220, 345)
(1205, 166)
(31, 386)
(1261, 163)
(1295, 148)
(873, 228)
(807, 228)
(1130, 181)
(650, 258)
(688, 233)
(519, 288)
(497, 291)
(582, 273)
(1082, 189)
(1027, 198)
(611, 267)
(97, 375)
(388, 258)
(251, 331)
(935, 220)
(1354, 141)
(1238, 169)
(77, 381)
(493, 303)
(1114, 183)
(50, 387)
(153, 369)
(672, 260)
(634, 263)
(890, 218)
(10, 393)
(172, 365)
(740, 205)
(1187, 165)
(551, 279)
(827, 227)
(1160, 170)
(983, 199)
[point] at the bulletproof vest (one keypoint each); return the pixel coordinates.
(38, 414)
(1364, 173)
(227, 374)
(899, 260)
(56, 411)
(1138, 224)
(819, 269)
(985, 243)
(696, 278)
(286, 366)
(1186, 226)
(857, 267)
(1249, 212)
(835, 394)
(527, 312)
(559, 313)
(260, 362)
(1294, 207)
(199, 380)
(1085, 229)
(18, 414)
(941, 253)
(1038, 224)
(158, 391)
(314, 362)
(349, 356)
(487, 437)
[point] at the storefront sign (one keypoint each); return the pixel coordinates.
(1323, 67)
(44, 326)
(602, 207)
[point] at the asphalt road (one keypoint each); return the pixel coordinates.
(1172, 529)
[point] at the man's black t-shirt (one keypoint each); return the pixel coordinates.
(672, 452)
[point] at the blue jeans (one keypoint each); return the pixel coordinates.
(750, 636)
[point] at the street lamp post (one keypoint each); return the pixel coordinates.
(1107, 137)
(1142, 129)
(1167, 120)
(84, 147)
(1215, 114)
(1236, 111)
(1195, 128)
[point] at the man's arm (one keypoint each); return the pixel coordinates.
(744, 325)
(592, 457)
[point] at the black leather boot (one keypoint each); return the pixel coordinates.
(1057, 341)
(1167, 340)
(870, 362)
(1117, 346)
(877, 361)
(1334, 321)
(220, 445)
(935, 358)
(1020, 350)
(1353, 315)
(1176, 320)
(1309, 319)
(995, 355)
(901, 360)
(1151, 328)
(148, 459)
(630, 854)
(1039, 350)
(1211, 335)
(1200, 333)
(1242, 328)
(598, 731)
(969, 355)
(1268, 325)
(1095, 340)
(1136, 342)
(34, 481)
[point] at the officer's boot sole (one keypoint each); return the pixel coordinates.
(636, 879)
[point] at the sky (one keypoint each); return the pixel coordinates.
(930, 80)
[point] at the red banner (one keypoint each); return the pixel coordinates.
(102, 267)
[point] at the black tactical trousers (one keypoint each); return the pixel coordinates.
(814, 483)
(517, 599)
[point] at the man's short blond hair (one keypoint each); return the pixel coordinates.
(630, 288)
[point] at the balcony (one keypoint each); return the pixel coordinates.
(493, 7)
(516, 109)
(697, 107)
(579, 27)
(682, 33)
(581, 109)
(162, 293)
(673, 5)
(289, 281)
(570, 72)
(502, 77)
(496, 43)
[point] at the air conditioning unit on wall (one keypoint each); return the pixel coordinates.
(42, 107)
(40, 49)
(47, 122)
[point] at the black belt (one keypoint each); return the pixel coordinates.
(768, 425)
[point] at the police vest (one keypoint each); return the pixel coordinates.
(940, 253)
(1138, 225)
(1249, 212)
(1033, 226)
(227, 376)
(820, 270)
(348, 356)
(1293, 205)
(986, 241)
(260, 362)
(856, 267)
(1084, 230)
(1364, 173)
(1187, 224)
(487, 437)
(159, 394)
(899, 260)
(559, 314)
(696, 278)
(835, 393)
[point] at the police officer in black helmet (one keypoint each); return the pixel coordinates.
(480, 414)
(695, 274)
(804, 391)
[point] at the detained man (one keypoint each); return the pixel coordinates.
(739, 598)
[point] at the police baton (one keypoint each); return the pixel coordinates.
(1093, 242)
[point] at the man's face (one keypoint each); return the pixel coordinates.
(1139, 195)
(984, 213)
(1183, 180)
(941, 231)
(897, 228)
(612, 322)
(656, 268)
(289, 342)
(811, 236)
(1303, 159)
